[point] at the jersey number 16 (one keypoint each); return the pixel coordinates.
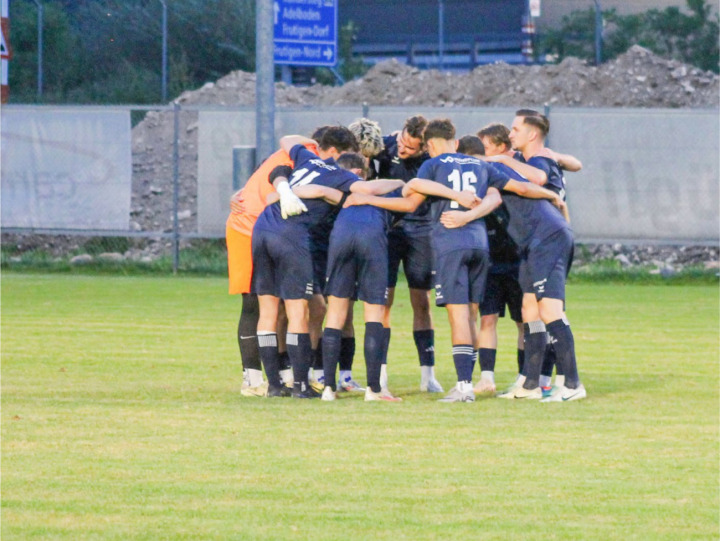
(461, 183)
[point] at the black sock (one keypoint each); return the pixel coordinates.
(425, 344)
(247, 333)
(565, 350)
(548, 360)
(374, 345)
(270, 357)
(520, 360)
(487, 359)
(347, 352)
(332, 346)
(386, 344)
(535, 344)
(317, 356)
(463, 358)
(300, 352)
(285, 361)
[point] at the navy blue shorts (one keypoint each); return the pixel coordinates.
(358, 266)
(319, 261)
(545, 264)
(460, 276)
(281, 267)
(415, 252)
(503, 289)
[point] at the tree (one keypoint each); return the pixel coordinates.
(690, 38)
(64, 60)
(110, 51)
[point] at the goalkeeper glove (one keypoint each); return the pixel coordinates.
(290, 204)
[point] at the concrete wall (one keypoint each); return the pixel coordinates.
(649, 174)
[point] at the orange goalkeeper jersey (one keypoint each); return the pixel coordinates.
(247, 203)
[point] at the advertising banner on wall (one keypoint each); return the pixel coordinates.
(65, 168)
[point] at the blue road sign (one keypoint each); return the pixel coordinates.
(305, 32)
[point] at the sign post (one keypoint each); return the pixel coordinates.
(5, 50)
(305, 32)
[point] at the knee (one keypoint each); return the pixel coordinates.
(420, 301)
(250, 306)
(488, 323)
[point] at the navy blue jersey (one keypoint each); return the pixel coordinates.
(555, 177)
(529, 218)
(459, 172)
(368, 218)
(387, 164)
(309, 169)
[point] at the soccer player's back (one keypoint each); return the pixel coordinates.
(460, 255)
(282, 248)
(358, 267)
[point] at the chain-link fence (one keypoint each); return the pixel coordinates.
(166, 173)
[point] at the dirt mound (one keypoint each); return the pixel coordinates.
(638, 78)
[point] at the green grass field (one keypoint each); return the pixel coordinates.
(122, 419)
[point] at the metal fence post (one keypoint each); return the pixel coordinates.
(164, 51)
(264, 79)
(598, 33)
(546, 112)
(40, 49)
(243, 165)
(441, 33)
(176, 185)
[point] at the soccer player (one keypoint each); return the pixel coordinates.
(357, 265)
(282, 249)
(245, 207)
(409, 243)
(370, 141)
(502, 287)
(527, 134)
(460, 256)
(544, 238)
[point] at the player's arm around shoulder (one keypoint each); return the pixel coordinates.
(376, 187)
(533, 174)
(568, 162)
(427, 187)
(310, 191)
(408, 203)
(452, 219)
(287, 142)
(531, 191)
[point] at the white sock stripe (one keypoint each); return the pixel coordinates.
(292, 339)
(565, 320)
(463, 349)
(536, 326)
(267, 340)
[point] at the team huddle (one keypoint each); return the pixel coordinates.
(327, 220)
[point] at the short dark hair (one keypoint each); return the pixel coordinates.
(440, 128)
(318, 133)
(350, 160)
(498, 133)
(415, 126)
(339, 137)
(471, 145)
(534, 118)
